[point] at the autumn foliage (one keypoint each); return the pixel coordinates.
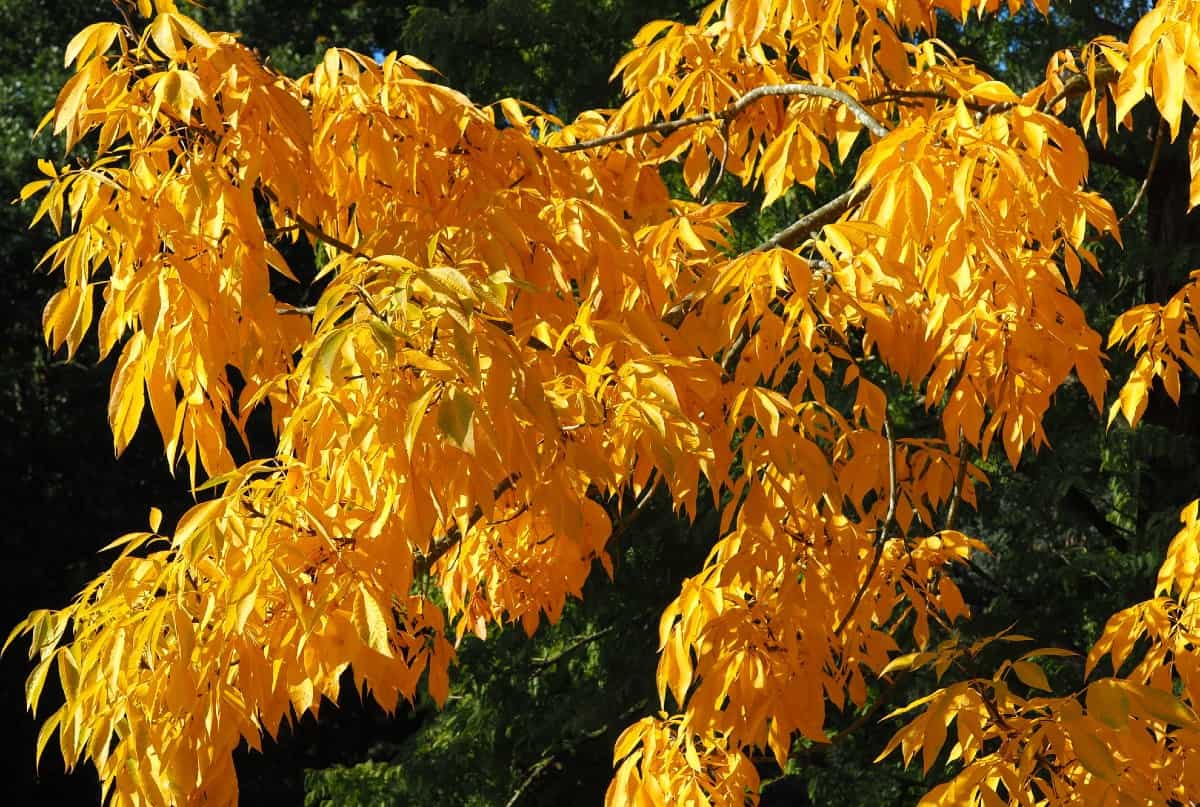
(517, 330)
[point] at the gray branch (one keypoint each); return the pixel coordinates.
(730, 112)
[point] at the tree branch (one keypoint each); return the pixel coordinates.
(540, 664)
(803, 227)
(313, 229)
(1159, 137)
(960, 479)
(736, 108)
(534, 772)
(628, 519)
(569, 748)
(893, 96)
(296, 310)
(454, 535)
(787, 238)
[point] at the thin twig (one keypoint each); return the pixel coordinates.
(880, 702)
(628, 519)
(1159, 137)
(540, 664)
(707, 194)
(884, 529)
(1074, 86)
(896, 95)
(1078, 84)
(960, 480)
(124, 11)
(569, 748)
(662, 127)
(315, 230)
(534, 772)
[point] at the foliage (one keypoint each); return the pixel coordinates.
(534, 719)
(520, 334)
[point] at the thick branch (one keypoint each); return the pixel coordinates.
(787, 238)
(736, 108)
(804, 226)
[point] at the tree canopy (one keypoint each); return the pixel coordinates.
(514, 329)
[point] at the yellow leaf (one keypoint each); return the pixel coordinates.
(439, 682)
(451, 282)
(328, 358)
(908, 661)
(95, 39)
(1167, 79)
(630, 738)
(245, 607)
(1092, 753)
(417, 64)
(456, 419)
(301, 695)
(1194, 159)
(45, 732)
(371, 622)
(994, 92)
(1106, 702)
(936, 719)
(416, 414)
(165, 38)
(196, 518)
(1160, 705)
(35, 682)
(1031, 675)
(127, 397)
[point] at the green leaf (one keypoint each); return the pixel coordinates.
(455, 419)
